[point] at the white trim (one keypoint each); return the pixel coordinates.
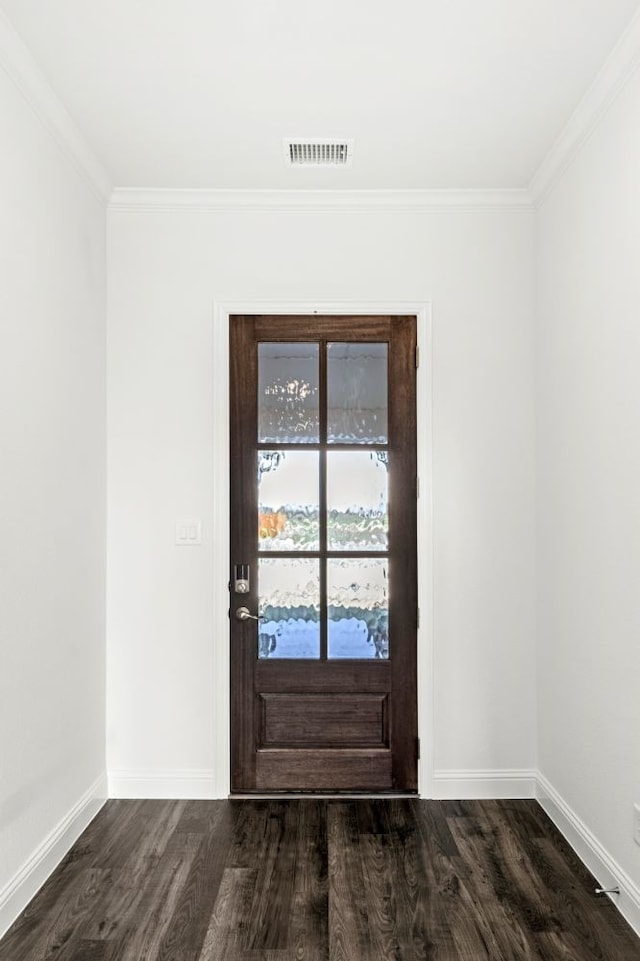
(220, 596)
(190, 784)
(141, 200)
(17, 893)
(598, 860)
(221, 760)
(424, 425)
(617, 69)
(484, 784)
(23, 71)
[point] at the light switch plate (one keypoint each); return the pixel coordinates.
(188, 532)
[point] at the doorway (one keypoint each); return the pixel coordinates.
(323, 575)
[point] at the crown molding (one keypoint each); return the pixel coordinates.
(614, 74)
(141, 200)
(21, 68)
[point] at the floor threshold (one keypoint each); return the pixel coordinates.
(322, 795)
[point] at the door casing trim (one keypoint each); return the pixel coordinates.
(222, 310)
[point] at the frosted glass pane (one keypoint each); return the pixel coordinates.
(357, 514)
(358, 608)
(357, 393)
(289, 607)
(288, 508)
(288, 393)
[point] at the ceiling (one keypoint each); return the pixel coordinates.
(200, 93)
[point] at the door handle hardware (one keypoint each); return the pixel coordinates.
(244, 614)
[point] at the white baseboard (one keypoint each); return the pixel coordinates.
(483, 784)
(201, 784)
(603, 867)
(190, 784)
(15, 895)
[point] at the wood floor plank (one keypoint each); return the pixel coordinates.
(141, 937)
(320, 880)
(120, 908)
(90, 951)
(422, 931)
(500, 882)
(27, 928)
(249, 831)
(347, 906)
(309, 929)
(380, 893)
(200, 817)
(58, 928)
(474, 940)
(271, 908)
(187, 928)
(226, 936)
(499, 889)
(109, 842)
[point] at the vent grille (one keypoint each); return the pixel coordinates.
(319, 153)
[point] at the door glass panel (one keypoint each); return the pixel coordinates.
(288, 393)
(358, 608)
(357, 393)
(288, 507)
(357, 510)
(289, 608)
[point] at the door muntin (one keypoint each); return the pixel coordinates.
(326, 503)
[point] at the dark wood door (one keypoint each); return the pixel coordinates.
(323, 584)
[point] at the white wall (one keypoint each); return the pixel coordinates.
(168, 665)
(588, 454)
(52, 495)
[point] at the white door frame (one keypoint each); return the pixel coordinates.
(220, 594)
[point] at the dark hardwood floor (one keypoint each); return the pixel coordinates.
(312, 880)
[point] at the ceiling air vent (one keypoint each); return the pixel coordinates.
(318, 153)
